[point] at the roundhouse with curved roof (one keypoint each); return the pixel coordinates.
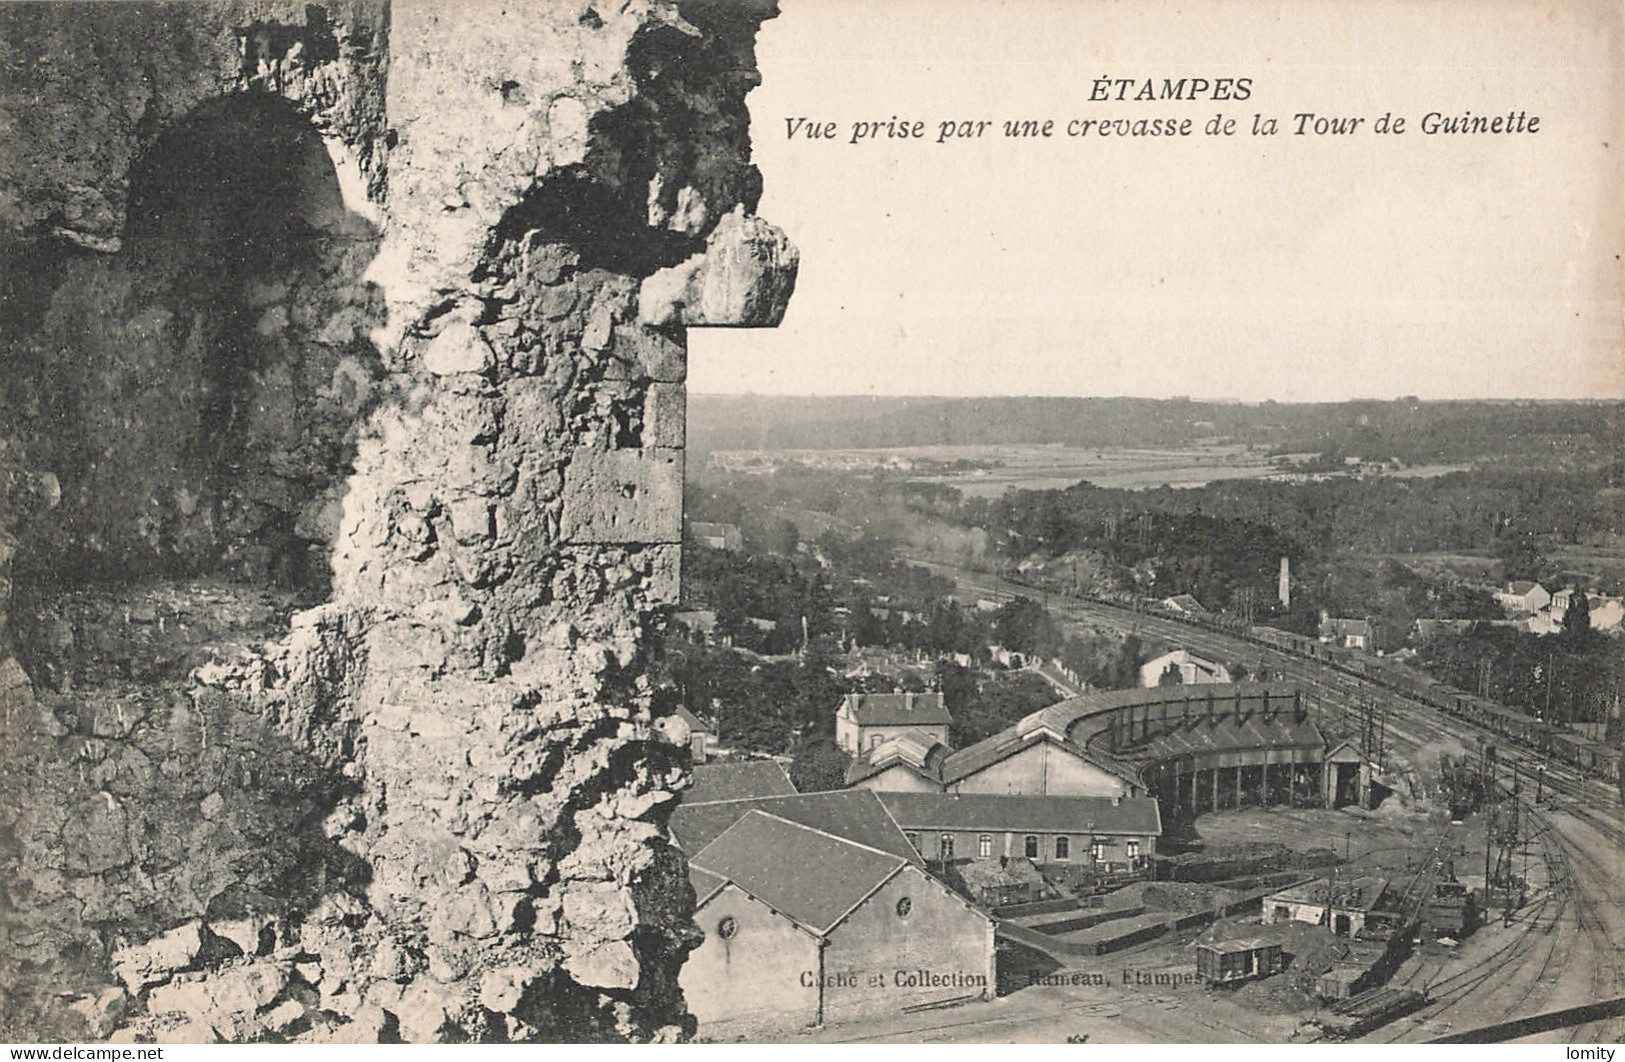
(1196, 748)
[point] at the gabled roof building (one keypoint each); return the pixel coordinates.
(1347, 633)
(738, 780)
(1182, 668)
(864, 721)
(1033, 758)
(803, 926)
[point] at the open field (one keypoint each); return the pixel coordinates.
(1053, 467)
(1032, 467)
(989, 470)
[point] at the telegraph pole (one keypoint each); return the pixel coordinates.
(1551, 662)
(1486, 785)
(1526, 837)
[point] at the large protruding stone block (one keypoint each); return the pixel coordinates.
(743, 279)
(624, 496)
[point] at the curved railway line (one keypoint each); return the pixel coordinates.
(1578, 916)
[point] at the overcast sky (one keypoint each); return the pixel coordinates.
(1287, 267)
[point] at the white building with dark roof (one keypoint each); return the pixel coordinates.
(1186, 669)
(804, 927)
(864, 721)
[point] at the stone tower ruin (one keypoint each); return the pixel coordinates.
(342, 350)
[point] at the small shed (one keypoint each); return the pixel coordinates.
(1002, 881)
(1343, 981)
(1229, 961)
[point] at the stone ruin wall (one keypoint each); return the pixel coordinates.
(341, 361)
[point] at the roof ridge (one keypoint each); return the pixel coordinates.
(775, 796)
(695, 859)
(823, 833)
(905, 795)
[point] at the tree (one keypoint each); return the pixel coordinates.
(1577, 618)
(819, 765)
(1520, 558)
(1000, 701)
(1025, 626)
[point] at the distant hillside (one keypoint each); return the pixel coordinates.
(1410, 430)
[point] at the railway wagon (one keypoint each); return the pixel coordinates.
(1349, 1018)
(1574, 751)
(1233, 961)
(1505, 722)
(1590, 757)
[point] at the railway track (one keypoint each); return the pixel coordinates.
(1446, 992)
(1341, 691)
(1580, 815)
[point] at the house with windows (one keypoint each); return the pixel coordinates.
(1347, 633)
(1182, 668)
(702, 734)
(1104, 834)
(865, 721)
(1523, 596)
(805, 927)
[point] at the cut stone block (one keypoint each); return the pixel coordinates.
(624, 496)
